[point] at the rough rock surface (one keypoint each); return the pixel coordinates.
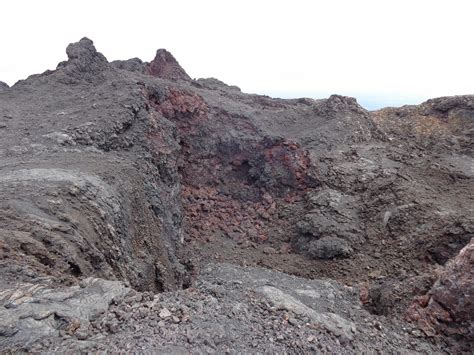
(83, 193)
(133, 65)
(237, 310)
(3, 86)
(84, 63)
(449, 305)
(165, 66)
(151, 186)
(32, 312)
(437, 124)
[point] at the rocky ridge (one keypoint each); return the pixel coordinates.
(124, 180)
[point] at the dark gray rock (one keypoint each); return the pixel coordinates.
(3, 86)
(84, 62)
(33, 312)
(214, 84)
(329, 248)
(133, 65)
(331, 225)
(77, 208)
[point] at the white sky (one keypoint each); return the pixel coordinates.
(383, 52)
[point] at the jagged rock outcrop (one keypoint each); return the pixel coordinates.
(84, 62)
(3, 86)
(165, 66)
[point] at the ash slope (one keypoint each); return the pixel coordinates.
(134, 173)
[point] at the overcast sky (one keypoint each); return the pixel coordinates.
(382, 52)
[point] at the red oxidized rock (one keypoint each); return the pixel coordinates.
(449, 306)
(290, 164)
(179, 104)
(364, 294)
(267, 198)
(166, 66)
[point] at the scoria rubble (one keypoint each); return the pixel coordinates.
(143, 210)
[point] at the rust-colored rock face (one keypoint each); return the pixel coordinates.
(165, 66)
(231, 183)
(449, 306)
(180, 105)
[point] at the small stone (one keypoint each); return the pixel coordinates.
(267, 198)
(293, 321)
(375, 274)
(310, 339)
(175, 319)
(113, 328)
(143, 312)
(81, 334)
(165, 313)
(329, 248)
(269, 250)
(74, 190)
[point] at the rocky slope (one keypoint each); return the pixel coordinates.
(166, 198)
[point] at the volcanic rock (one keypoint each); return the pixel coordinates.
(133, 65)
(84, 62)
(165, 66)
(437, 124)
(449, 306)
(329, 248)
(138, 178)
(3, 86)
(33, 312)
(95, 199)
